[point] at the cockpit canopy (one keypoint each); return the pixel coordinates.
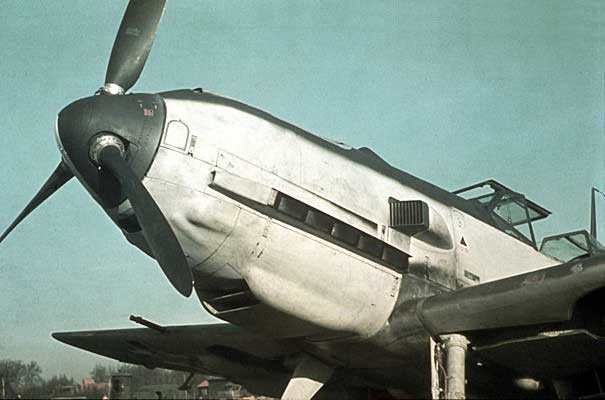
(510, 211)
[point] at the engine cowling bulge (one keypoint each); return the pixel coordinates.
(289, 273)
(251, 267)
(200, 221)
(292, 274)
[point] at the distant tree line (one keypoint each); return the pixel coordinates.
(21, 374)
(25, 379)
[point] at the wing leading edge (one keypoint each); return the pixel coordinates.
(544, 296)
(217, 349)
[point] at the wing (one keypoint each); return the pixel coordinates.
(546, 324)
(546, 354)
(217, 349)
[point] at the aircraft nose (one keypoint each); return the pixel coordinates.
(72, 122)
(135, 120)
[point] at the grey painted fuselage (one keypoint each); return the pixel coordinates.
(221, 167)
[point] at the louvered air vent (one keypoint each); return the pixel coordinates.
(409, 216)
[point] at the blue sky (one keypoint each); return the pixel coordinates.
(452, 91)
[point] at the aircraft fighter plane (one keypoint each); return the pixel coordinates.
(339, 275)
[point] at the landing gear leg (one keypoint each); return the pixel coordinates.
(309, 376)
(455, 352)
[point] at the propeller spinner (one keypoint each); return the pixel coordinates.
(108, 142)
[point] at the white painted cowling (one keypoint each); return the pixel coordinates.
(285, 267)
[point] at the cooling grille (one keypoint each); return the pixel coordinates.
(409, 216)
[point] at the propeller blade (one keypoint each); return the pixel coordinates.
(133, 44)
(60, 175)
(157, 231)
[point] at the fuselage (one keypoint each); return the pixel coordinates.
(222, 168)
